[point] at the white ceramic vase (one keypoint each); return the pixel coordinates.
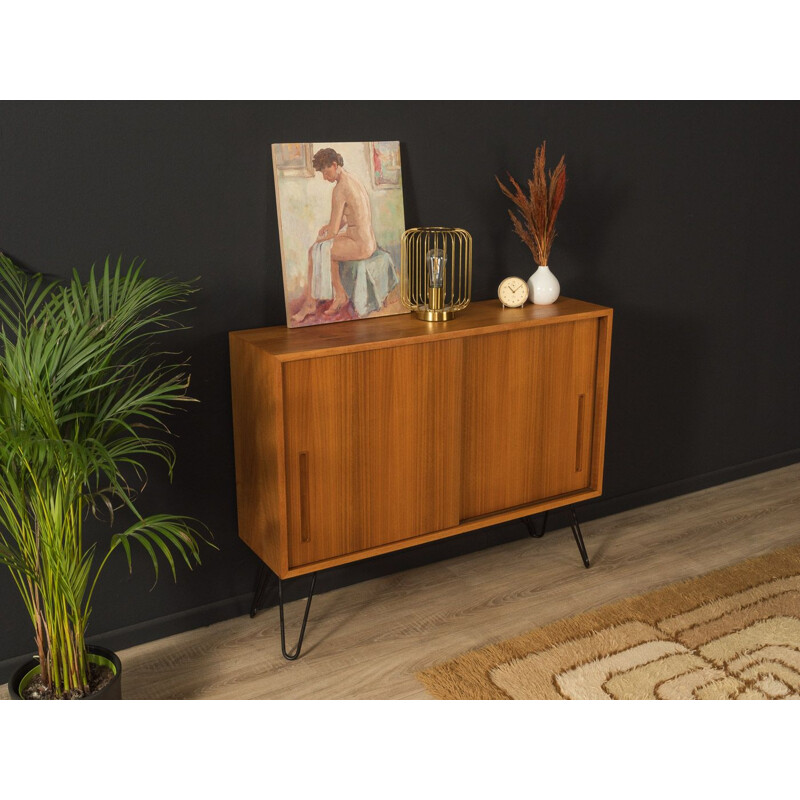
(544, 286)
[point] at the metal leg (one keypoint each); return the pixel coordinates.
(296, 654)
(262, 573)
(529, 521)
(576, 532)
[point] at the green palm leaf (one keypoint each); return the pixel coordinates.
(84, 392)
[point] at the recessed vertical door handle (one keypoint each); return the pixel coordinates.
(579, 438)
(305, 523)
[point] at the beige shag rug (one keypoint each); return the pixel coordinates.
(732, 634)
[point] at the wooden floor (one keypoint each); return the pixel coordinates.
(367, 641)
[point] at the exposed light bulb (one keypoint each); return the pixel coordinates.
(437, 261)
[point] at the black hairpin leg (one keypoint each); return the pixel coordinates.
(532, 526)
(294, 656)
(262, 573)
(576, 532)
(262, 576)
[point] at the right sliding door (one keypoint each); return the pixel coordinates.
(528, 415)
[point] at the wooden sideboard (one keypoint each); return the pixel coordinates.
(359, 438)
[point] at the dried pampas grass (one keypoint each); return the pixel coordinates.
(535, 223)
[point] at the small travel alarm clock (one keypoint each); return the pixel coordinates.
(513, 292)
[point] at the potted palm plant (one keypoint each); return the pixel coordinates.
(84, 388)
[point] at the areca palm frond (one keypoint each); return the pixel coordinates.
(84, 389)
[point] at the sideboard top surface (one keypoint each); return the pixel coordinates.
(288, 344)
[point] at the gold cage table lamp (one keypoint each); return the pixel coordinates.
(436, 272)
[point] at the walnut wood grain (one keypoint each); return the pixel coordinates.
(379, 432)
(475, 523)
(601, 399)
(357, 439)
(287, 344)
(258, 438)
(524, 436)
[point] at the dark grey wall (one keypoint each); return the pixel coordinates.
(681, 216)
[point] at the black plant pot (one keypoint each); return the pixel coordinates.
(97, 655)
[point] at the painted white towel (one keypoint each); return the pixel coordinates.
(321, 286)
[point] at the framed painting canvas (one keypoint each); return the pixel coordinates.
(341, 221)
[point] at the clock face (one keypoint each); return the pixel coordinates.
(513, 292)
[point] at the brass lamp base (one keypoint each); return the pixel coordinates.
(435, 315)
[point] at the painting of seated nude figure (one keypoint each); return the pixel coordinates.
(341, 221)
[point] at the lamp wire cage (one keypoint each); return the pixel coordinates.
(436, 272)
